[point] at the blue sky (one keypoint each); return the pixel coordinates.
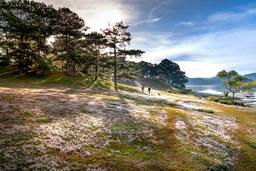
(203, 36)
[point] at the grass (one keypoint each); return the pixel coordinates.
(205, 110)
(163, 151)
(124, 87)
(247, 154)
(50, 79)
(61, 79)
(247, 139)
(42, 120)
(245, 116)
(225, 100)
(163, 154)
(26, 114)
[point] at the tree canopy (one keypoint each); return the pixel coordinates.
(38, 38)
(234, 82)
(118, 38)
(166, 71)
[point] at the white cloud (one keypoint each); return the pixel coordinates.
(232, 49)
(98, 14)
(157, 6)
(147, 21)
(224, 16)
(208, 53)
(186, 23)
(200, 68)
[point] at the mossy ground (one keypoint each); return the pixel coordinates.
(64, 123)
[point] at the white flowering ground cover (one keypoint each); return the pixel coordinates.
(43, 128)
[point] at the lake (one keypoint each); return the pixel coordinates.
(218, 90)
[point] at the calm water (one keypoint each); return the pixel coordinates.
(218, 90)
(211, 89)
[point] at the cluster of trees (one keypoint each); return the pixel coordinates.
(35, 37)
(235, 83)
(166, 71)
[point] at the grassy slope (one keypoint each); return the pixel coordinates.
(246, 133)
(61, 80)
(163, 151)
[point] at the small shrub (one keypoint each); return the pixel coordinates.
(225, 100)
(26, 114)
(226, 94)
(43, 120)
(205, 110)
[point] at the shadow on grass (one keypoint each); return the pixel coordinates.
(130, 147)
(59, 105)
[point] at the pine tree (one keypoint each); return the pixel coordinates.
(166, 71)
(118, 38)
(23, 23)
(69, 29)
(47, 28)
(97, 42)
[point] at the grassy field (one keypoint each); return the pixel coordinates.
(67, 123)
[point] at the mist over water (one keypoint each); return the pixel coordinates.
(218, 90)
(210, 89)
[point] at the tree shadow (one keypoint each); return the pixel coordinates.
(117, 124)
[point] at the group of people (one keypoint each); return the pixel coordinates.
(142, 89)
(149, 90)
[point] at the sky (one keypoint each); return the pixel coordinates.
(202, 36)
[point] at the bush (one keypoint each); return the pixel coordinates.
(225, 100)
(179, 90)
(205, 110)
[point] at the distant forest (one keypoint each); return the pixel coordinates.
(36, 38)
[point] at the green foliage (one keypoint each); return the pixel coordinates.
(235, 82)
(205, 110)
(68, 46)
(25, 26)
(225, 100)
(118, 38)
(166, 71)
(248, 86)
(99, 63)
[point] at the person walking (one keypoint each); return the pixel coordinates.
(142, 89)
(149, 90)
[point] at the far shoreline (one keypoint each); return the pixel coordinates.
(250, 102)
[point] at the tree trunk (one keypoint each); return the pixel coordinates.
(66, 56)
(62, 64)
(96, 71)
(21, 60)
(115, 69)
(7, 55)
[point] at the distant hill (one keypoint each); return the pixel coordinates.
(250, 76)
(215, 80)
(205, 81)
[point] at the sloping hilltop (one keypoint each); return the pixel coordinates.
(63, 128)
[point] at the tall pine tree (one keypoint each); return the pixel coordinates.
(118, 38)
(69, 30)
(26, 25)
(97, 42)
